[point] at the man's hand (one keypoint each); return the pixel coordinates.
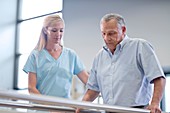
(154, 108)
(77, 110)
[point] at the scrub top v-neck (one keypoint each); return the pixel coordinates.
(54, 76)
(51, 57)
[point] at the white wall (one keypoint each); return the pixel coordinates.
(7, 38)
(147, 19)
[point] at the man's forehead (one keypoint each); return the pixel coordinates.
(107, 30)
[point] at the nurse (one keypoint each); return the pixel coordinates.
(51, 66)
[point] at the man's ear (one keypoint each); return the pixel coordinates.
(123, 29)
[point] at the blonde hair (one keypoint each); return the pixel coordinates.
(48, 21)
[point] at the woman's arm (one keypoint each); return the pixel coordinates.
(83, 76)
(32, 82)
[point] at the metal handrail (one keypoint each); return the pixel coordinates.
(72, 104)
(14, 104)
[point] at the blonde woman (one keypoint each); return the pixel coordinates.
(50, 65)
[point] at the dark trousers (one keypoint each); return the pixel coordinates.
(141, 107)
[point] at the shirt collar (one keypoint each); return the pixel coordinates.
(123, 42)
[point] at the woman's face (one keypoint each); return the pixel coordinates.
(55, 32)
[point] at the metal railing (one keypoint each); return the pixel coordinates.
(47, 103)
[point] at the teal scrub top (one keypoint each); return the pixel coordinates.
(54, 77)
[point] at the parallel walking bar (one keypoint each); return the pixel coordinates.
(51, 103)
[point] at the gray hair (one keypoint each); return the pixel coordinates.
(117, 17)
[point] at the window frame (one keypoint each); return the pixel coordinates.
(18, 54)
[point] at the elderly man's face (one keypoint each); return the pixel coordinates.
(112, 33)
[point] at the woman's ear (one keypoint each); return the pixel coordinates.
(45, 30)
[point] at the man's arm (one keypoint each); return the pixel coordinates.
(90, 95)
(159, 86)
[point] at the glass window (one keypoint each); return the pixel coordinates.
(22, 76)
(33, 8)
(29, 31)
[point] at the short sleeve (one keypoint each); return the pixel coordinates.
(30, 65)
(78, 65)
(149, 61)
(92, 80)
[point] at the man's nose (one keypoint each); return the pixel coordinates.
(106, 37)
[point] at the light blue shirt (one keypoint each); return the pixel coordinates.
(125, 78)
(54, 77)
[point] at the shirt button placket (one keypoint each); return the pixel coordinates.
(112, 71)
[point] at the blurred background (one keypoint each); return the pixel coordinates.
(21, 23)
